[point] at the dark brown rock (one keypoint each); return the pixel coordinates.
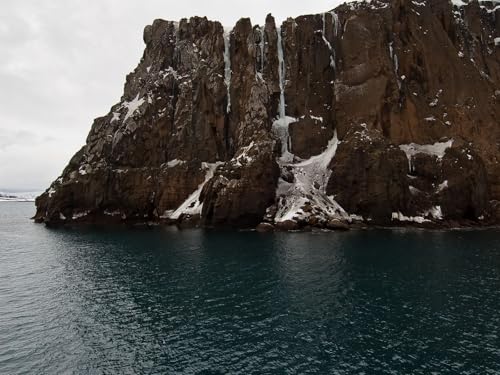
(369, 176)
(287, 225)
(337, 225)
(243, 189)
(265, 227)
(466, 195)
(192, 140)
(309, 136)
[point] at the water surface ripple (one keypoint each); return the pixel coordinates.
(162, 301)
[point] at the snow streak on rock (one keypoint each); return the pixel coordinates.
(192, 205)
(227, 66)
(281, 125)
(395, 62)
(262, 34)
(282, 74)
(336, 23)
(328, 44)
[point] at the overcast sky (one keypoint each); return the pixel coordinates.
(64, 62)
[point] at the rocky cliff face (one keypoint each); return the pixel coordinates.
(381, 112)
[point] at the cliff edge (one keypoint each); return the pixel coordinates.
(384, 112)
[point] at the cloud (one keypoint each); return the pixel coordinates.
(11, 138)
(64, 63)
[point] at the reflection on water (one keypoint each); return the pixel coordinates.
(216, 302)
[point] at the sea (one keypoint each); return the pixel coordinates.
(161, 300)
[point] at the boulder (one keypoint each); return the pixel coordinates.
(287, 225)
(265, 227)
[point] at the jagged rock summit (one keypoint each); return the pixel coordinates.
(384, 112)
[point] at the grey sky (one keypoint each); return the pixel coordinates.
(63, 63)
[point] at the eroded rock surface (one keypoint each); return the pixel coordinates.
(385, 112)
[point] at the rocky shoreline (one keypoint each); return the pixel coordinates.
(264, 227)
(376, 113)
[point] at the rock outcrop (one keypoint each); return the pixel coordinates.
(384, 112)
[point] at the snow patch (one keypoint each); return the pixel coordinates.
(175, 162)
(309, 188)
(243, 157)
(414, 190)
(170, 71)
(133, 106)
(112, 213)
(280, 129)
(398, 216)
(51, 192)
(116, 117)
(442, 186)
(437, 149)
(192, 205)
(317, 118)
(79, 215)
(82, 170)
(424, 217)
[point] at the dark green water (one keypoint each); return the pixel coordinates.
(205, 302)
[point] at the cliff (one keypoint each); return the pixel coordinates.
(384, 112)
